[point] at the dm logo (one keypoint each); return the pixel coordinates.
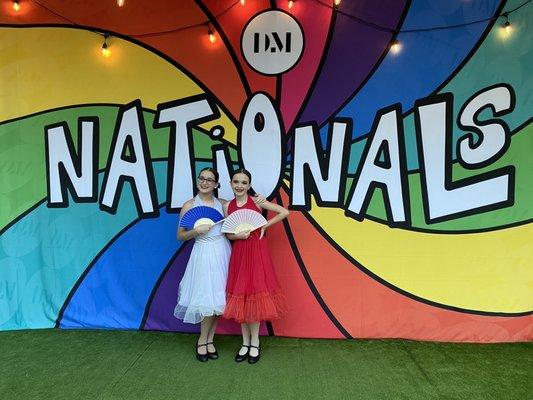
(272, 42)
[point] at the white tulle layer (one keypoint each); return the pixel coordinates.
(202, 290)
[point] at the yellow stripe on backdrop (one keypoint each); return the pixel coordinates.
(46, 68)
(489, 271)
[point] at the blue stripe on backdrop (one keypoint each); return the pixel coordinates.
(43, 255)
(116, 290)
(415, 72)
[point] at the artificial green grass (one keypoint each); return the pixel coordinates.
(61, 364)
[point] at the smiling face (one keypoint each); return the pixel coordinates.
(240, 183)
(206, 182)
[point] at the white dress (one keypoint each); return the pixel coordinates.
(202, 290)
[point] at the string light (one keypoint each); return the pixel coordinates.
(212, 37)
(396, 31)
(106, 52)
(395, 46)
(507, 26)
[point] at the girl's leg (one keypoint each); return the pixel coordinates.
(204, 332)
(254, 338)
(211, 333)
(245, 338)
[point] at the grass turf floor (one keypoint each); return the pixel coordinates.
(73, 364)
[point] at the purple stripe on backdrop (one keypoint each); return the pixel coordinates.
(161, 312)
(354, 51)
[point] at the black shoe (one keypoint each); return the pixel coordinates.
(201, 357)
(252, 359)
(213, 355)
(241, 358)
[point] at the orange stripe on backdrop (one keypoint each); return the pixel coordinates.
(210, 64)
(305, 317)
(233, 23)
(368, 309)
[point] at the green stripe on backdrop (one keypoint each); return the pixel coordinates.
(22, 165)
(501, 59)
(518, 154)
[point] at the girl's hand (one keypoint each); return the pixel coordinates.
(243, 235)
(263, 230)
(202, 229)
(259, 199)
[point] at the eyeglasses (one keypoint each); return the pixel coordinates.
(201, 179)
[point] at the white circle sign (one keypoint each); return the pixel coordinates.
(272, 42)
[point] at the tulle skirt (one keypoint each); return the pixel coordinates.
(202, 290)
(253, 291)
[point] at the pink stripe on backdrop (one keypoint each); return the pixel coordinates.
(315, 20)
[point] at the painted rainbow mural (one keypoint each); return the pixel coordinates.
(466, 277)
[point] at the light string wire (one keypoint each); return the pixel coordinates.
(336, 8)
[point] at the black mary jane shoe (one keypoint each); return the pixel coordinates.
(240, 358)
(202, 357)
(254, 359)
(213, 355)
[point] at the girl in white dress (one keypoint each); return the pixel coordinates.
(202, 290)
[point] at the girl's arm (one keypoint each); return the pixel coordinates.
(184, 234)
(282, 213)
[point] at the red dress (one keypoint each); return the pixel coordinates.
(252, 293)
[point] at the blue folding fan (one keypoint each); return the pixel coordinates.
(201, 215)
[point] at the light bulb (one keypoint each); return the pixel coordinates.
(16, 5)
(105, 50)
(212, 37)
(291, 3)
(395, 46)
(243, 2)
(508, 28)
(337, 2)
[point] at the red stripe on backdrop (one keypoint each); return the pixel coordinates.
(305, 317)
(233, 23)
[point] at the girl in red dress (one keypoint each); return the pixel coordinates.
(253, 293)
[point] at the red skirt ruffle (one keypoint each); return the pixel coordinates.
(255, 307)
(253, 293)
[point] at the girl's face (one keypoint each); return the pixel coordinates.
(240, 183)
(206, 182)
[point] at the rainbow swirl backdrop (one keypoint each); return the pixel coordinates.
(466, 279)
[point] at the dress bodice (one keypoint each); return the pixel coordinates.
(250, 204)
